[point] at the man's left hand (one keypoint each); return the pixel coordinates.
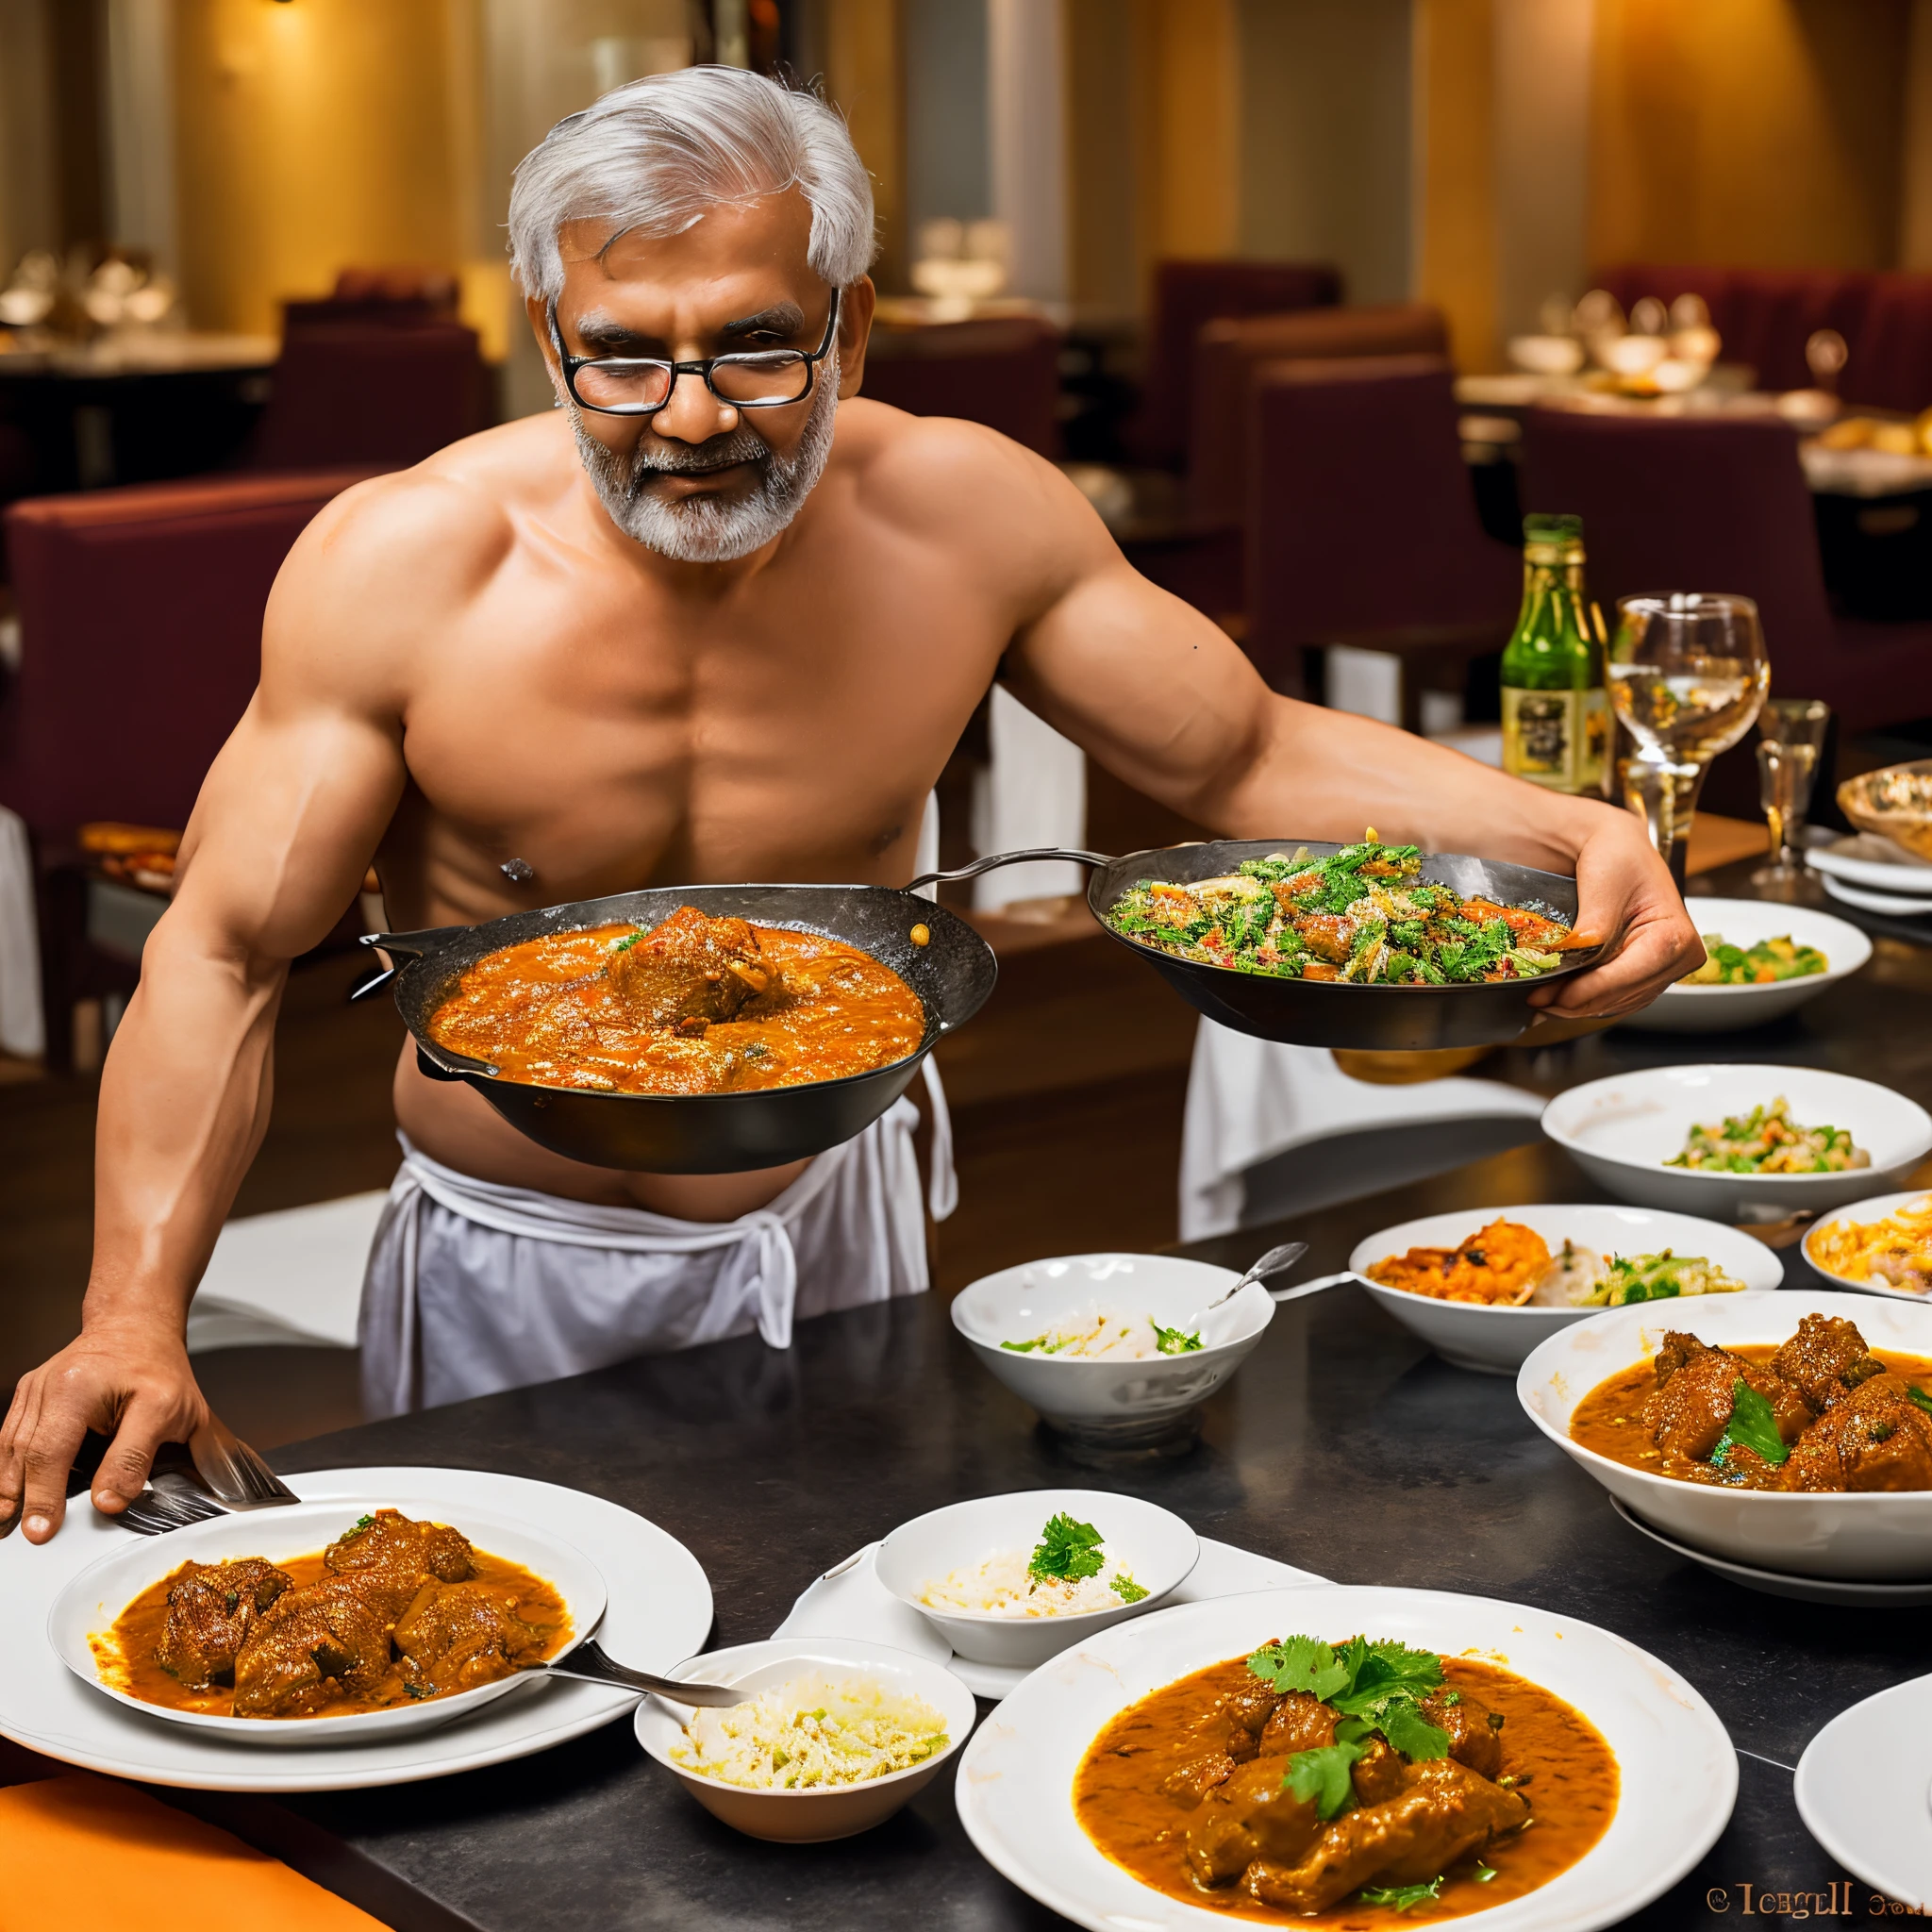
(1626, 897)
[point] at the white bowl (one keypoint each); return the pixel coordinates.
(91, 1600)
(1117, 1402)
(1677, 1773)
(830, 1811)
(1498, 1341)
(1621, 1130)
(1877, 1209)
(1743, 923)
(1884, 1538)
(1151, 1544)
(1869, 899)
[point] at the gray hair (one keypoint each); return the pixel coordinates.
(651, 157)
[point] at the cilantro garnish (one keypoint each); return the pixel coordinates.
(1483, 1873)
(1914, 1393)
(1323, 1776)
(625, 945)
(419, 1689)
(362, 1523)
(1753, 1426)
(1173, 1342)
(1400, 1897)
(1026, 1347)
(1127, 1589)
(1068, 1551)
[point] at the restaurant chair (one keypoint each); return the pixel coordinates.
(141, 616)
(387, 297)
(371, 393)
(1363, 528)
(1229, 354)
(1699, 504)
(1186, 296)
(1002, 372)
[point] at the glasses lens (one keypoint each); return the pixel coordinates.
(778, 377)
(615, 385)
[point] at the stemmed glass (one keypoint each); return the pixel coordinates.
(1687, 675)
(1791, 742)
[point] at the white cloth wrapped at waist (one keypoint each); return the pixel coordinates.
(473, 1287)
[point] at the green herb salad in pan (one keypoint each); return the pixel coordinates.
(1364, 915)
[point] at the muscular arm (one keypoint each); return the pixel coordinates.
(1163, 699)
(287, 821)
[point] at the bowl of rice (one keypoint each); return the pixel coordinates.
(1112, 1348)
(833, 1738)
(1017, 1579)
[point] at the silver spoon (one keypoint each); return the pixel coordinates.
(1276, 1262)
(589, 1662)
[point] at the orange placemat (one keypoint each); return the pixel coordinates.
(85, 1852)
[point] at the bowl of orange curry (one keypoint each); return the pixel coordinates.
(1787, 1432)
(325, 1622)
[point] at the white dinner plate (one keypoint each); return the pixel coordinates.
(660, 1612)
(1622, 1130)
(1866, 859)
(1805, 1589)
(1683, 1008)
(1497, 1342)
(1877, 1209)
(1862, 1788)
(1893, 904)
(87, 1605)
(1677, 1771)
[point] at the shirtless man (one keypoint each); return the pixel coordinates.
(712, 641)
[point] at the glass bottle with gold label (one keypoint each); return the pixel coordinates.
(1556, 717)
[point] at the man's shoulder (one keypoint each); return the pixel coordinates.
(925, 462)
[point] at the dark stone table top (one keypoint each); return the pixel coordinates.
(1341, 1446)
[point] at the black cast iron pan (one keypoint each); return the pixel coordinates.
(701, 1133)
(1307, 1012)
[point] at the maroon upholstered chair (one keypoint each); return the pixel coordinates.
(1693, 503)
(1004, 372)
(1229, 355)
(371, 393)
(1186, 296)
(1362, 525)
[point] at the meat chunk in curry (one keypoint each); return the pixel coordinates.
(1821, 1412)
(690, 968)
(211, 1610)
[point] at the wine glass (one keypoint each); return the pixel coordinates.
(1791, 742)
(1687, 675)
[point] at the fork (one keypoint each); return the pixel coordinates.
(228, 1476)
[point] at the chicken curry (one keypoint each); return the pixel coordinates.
(393, 1612)
(1822, 1412)
(1360, 1785)
(695, 1005)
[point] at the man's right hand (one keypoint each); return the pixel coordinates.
(131, 1383)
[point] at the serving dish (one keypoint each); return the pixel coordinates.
(1869, 899)
(1867, 858)
(1620, 1130)
(1117, 1403)
(1682, 1008)
(659, 1611)
(951, 973)
(1877, 1536)
(1895, 803)
(1679, 1772)
(1877, 1209)
(1153, 1544)
(1862, 1789)
(1497, 1342)
(808, 1817)
(1328, 1013)
(89, 1602)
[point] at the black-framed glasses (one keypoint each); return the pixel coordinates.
(642, 385)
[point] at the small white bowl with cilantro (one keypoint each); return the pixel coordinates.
(1111, 1347)
(1017, 1579)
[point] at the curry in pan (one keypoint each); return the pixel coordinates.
(695, 1005)
(393, 1612)
(1820, 1413)
(1355, 1785)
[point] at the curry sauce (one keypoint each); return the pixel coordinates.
(1553, 1755)
(549, 1013)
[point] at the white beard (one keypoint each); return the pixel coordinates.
(702, 529)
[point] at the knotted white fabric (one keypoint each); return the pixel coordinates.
(473, 1286)
(22, 1031)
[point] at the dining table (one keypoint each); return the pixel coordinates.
(1342, 1447)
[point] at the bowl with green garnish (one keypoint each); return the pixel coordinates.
(1115, 1349)
(1016, 1579)
(1763, 961)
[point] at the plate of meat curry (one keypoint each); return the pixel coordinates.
(325, 1622)
(1787, 1432)
(1342, 1757)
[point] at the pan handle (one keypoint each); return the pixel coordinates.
(406, 945)
(1095, 860)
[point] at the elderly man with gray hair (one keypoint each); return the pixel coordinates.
(718, 618)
